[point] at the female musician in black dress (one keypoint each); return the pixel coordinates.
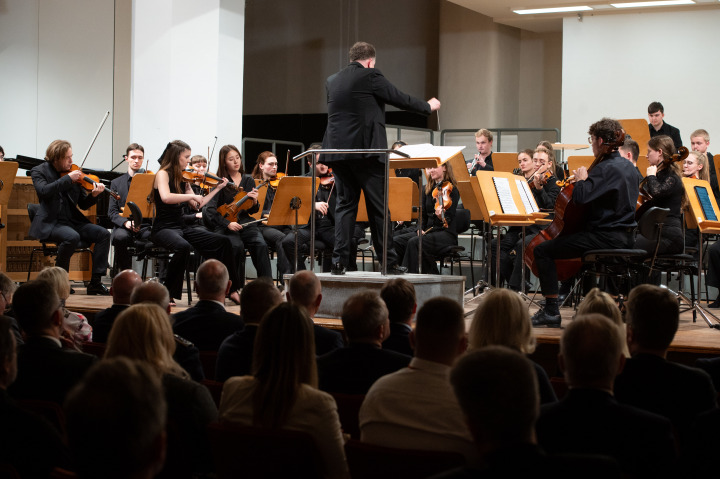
(663, 183)
(437, 235)
(170, 231)
(242, 237)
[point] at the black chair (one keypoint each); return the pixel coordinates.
(456, 254)
(46, 248)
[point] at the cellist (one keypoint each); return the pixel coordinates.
(609, 190)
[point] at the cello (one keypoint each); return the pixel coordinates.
(569, 216)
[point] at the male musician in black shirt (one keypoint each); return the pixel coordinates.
(609, 192)
(700, 141)
(483, 158)
(658, 127)
(630, 150)
(356, 98)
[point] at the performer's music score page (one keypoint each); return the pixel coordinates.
(502, 187)
(526, 195)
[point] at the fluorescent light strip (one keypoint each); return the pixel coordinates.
(581, 8)
(657, 3)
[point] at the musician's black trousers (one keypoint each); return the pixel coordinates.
(573, 246)
(122, 239)
(68, 238)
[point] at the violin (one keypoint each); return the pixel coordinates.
(644, 196)
(89, 181)
(274, 181)
(328, 179)
(206, 180)
(443, 202)
(547, 175)
(239, 202)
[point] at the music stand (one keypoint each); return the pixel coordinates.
(141, 193)
(293, 206)
(8, 171)
(639, 131)
(262, 193)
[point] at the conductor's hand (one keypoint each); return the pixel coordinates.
(322, 207)
(234, 226)
(581, 174)
(98, 188)
(434, 104)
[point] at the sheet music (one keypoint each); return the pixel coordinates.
(427, 150)
(502, 187)
(527, 197)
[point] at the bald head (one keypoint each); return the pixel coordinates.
(305, 290)
(152, 292)
(123, 285)
(212, 280)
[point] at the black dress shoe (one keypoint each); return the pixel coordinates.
(97, 288)
(396, 269)
(715, 304)
(337, 269)
(542, 318)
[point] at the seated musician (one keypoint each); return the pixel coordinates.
(700, 141)
(58, 218)
(545, 190)
(192, 216)
(266, 170)
(242, 237)
(557, 168)
(610, 191)
(695, 166)
(630, 150)
(483, 158)
(123, 230)
(438, 228)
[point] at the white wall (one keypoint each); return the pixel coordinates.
(616, 65)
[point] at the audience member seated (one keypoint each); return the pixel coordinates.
(186, 354)
(208, 323)
(600, 302)
(354, 368)
(283, 393)
(7, 290)
(502, 319)
(589, 420)
(75, 325)
(46, 371)
(143, 332)
(116, 421)
(651, 382)
(399, 297)
(121, 288)
(497, 390)
(23, 434)
(415, 407)
(236, 351)
(305, 290)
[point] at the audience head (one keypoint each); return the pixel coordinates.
(400, 300)
(652, 316)
(257, 298)
(439, 333)
(700, 140)
(283, 360)
(8, 353)
(7, 290)
(365, 318)
(212, 280)
(305, 290)
(143, 332)
(361, 51)
(228, 153)
(151, 292)
(123, 284)
(600, 302)
(116, 420)
(58, 278)
(38, 309)
(498, 392)
(502, 319)
(591, 351)
(630, 150)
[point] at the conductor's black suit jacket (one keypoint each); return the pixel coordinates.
(356, 98)
(51, 188)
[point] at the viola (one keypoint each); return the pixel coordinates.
(239, 202)
(443, 202)
(88, 181)
(644, 197)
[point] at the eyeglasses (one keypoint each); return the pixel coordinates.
(590, 140)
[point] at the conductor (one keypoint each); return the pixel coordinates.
(356, 98)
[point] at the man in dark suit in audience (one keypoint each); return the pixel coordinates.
(399, 297)
(236, 351)
(46, 371)
(122, 287)
(28, 443)
(354, 368)
(651, 382)
(589, 420)
(208, 323)
(305, 290)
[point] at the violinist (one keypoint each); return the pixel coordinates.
(58, 218)
(609, 191)
(242, 237)
(122, 227)
(439, 231)
(170, 231)
(191, 216)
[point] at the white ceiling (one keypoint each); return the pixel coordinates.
(501, 11)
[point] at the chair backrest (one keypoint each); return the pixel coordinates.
(462, 220)
(377, 462)
(136, 215)
(348, 406)
(648, 224)
(98, 349)
(208, 359)
(253, 452)
(50, 411)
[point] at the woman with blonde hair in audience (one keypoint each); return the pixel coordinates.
(75, 325)
(143, 332)
(600, 302)
(502, 319)
(282, 392)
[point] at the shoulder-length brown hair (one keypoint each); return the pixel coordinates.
(256, 172)
(666, 146)
(169, 161)
(222, 170)
(448, 175)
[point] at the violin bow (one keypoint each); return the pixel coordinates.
(287, 162)
(102, 123)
